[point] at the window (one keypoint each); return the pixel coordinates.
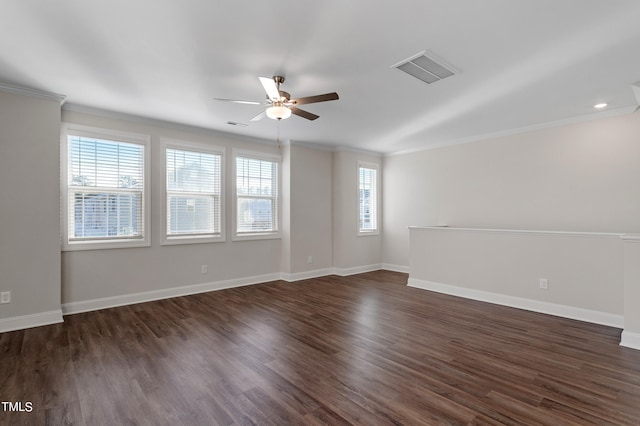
(368, 198)
(256, 210)
(104, 189)
(193, 185)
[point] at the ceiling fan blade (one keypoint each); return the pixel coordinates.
(237, 101)
(302, 113)
(259, 116)
(313, 99)
(270, 87)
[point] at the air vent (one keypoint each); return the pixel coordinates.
(425, 68)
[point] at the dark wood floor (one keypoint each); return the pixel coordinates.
(363, 349)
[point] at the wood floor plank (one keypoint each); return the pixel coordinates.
(364, 349)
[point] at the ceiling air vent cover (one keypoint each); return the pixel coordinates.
(425, 68)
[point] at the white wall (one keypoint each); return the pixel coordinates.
(580, 177)
(41, 278)
(307, 224)
(311, 209)
(29, 207)
(352, 252)
(97, 274)
(285, 196)
(584, 271)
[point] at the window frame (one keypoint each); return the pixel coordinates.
(204, 148)
(69, 129)
(376, 167)
(259, 235)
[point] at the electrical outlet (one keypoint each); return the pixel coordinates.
(5, 297)
(309, 259)
(204, 269)
(544, 283)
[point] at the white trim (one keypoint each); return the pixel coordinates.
(330, 147)
(104, 245)
(395, 268)
(108, 134)
(630, 340)
(375, 233)
(631, 238)
(256, 236)
(83, 109)
(564, 311)
(34, 93)
(130, 299)
(98, 112)
(267, 235)
(104, 133)
(522, 231)
(636, 91)
(28, 321)
(56, 316)
(310, 145)
(168, 143)
(371, 166)
(518, 130)
(298, 276)
(148, 296)
(351, 149)
(343, 272)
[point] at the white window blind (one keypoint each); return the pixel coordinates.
(105, 189)
(368, 195)
(257, 196)
(193, 193)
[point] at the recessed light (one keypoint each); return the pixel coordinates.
(600, 106)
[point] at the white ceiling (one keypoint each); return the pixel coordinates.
(522, 63)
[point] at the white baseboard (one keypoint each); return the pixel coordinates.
(395, 268)
(29, 321)
(564, 311)
(343, 272)
(148, 296)
(298, 276)
(630, 340)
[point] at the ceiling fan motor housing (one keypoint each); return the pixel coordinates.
(284, 96)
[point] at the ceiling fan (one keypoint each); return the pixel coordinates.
(281, 106)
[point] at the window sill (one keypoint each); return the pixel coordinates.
(368, 233)
(104, 245)
(175, 240)
(257, 236)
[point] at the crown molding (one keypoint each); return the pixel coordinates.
(312, 145)
(574, 234)
(518, 130)
(343, 148)
(132, 118)
(631, 238)
(34, 93)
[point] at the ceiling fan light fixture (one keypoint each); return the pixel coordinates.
(278, 112)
